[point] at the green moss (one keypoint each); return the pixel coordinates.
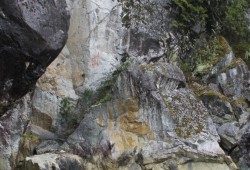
(217, 94)
(240, 101)
(206, 91)
(186, 125)
(185, 131)
(147, 67)
(224, 45)
(152, 68)
(31, 138)
(105, 99)
(232, 65)
(88, 93)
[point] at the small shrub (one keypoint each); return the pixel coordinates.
(105, 89)
(86, 98)
(65, 108)
(88, 93)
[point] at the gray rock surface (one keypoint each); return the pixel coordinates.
(12, 127)
(148, 118)
(244, 145)
(153, 114)
(227, 102)
(32, 35)
(228, 133)
(232, 76)
(53, 162)
(47, 146)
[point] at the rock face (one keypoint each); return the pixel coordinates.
(244, 146)
(32, 35)
(153, 116)
(226, 98)
(89, 55)
(111, 100)
(12, 127)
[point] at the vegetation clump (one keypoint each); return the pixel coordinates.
(65, 108)
(105, 89)
(103, 94)
(31, 138)
(196, 25)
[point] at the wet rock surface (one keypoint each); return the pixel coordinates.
(32, 35)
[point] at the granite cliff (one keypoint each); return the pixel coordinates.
(116, 96)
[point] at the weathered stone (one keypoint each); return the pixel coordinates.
(53, 162)
(32, 35)
(42, 133)
(47, 146)
(153, 120)
(203, 166)
(90, 55)
(95, 34)
(229, 105)
(232, 77)
(153, 113)
(234, 81)
(225, 62)
(219, 107)
(244, 145)
(12, 127)
(228, 133)
(45, 109)
(59, 79)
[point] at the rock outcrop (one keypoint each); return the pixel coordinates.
(32, 35)
(112, 100)
(12, 128)
(152, 115)
(153, 121)
(227, 99)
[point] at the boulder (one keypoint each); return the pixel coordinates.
(32, 35)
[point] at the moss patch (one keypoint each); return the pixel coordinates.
(187, 116)
(31, 138)
(232, 65)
